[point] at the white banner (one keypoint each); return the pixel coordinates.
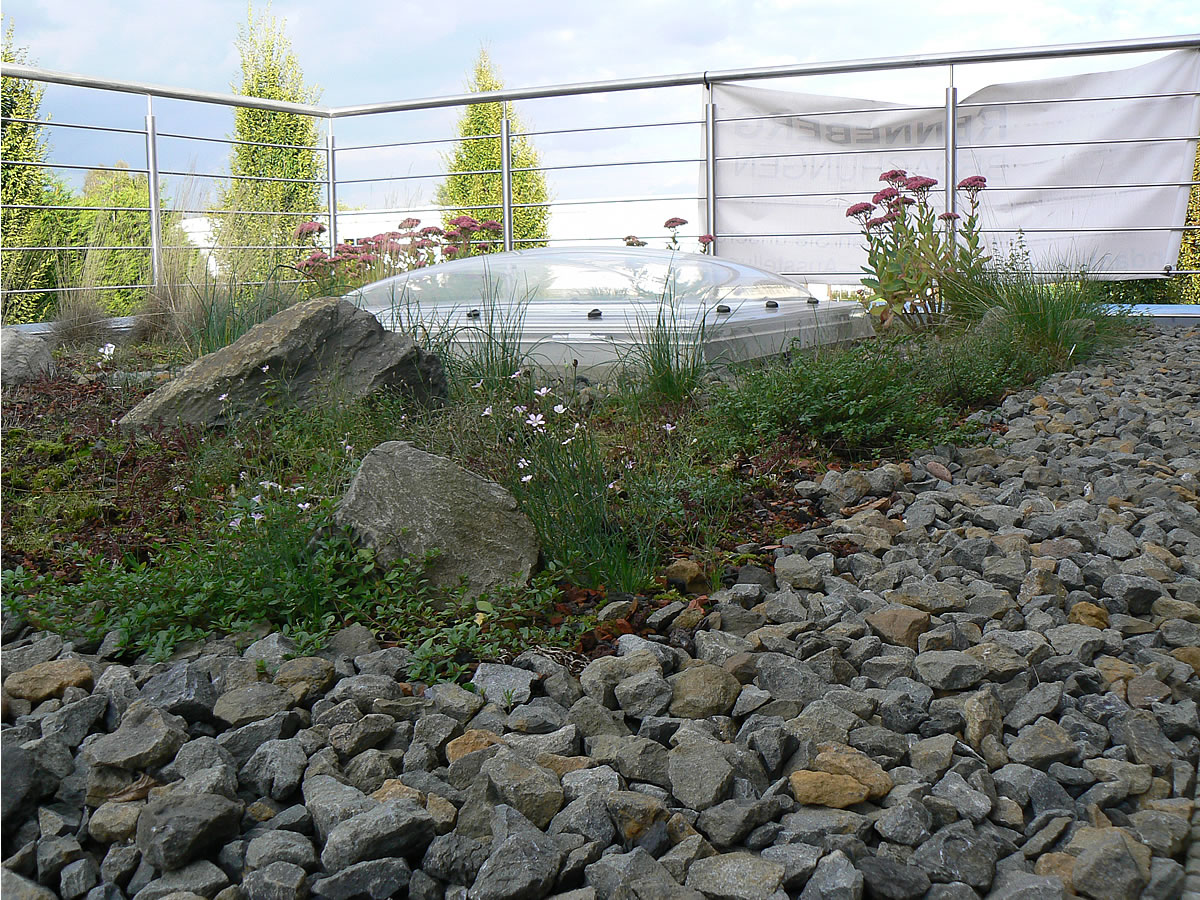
(1057, 172)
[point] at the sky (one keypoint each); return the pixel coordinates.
(361, 53)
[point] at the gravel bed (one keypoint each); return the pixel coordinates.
(980, 679)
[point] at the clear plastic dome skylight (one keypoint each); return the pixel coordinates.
(589, 305)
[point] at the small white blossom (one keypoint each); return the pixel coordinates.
(668, 428)
(520, 410)
(107, 351)
(515, 375)
(525, 479)
(257, 498)
(542, 391)
(235, 523)
(567, 441)
(629, 464)
(559, 409)
(536, 420)
(304, 506)
(266, 368)
(522, 463)
(477, 385)
(222, 398)
(486, 412)
(257, 517)
(178, 488)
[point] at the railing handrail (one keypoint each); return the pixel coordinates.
(870, 64)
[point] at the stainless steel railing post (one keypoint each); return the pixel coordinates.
(951, 150)
(506, 177)
(710, 167)
(331, 184)
(156, 241)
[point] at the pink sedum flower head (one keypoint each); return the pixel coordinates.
(705, 239)
(894, 175)
(632, 240)
(973, 183)
(919, 183)
(888, 193)
(876, 222)
(465, 223)
(860, 209)
(949, 216)
(306, 228)
(490, 225)
(410, 222)
(431, 230)
(674, 222)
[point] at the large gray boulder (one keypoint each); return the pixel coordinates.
(23, 357)
(404, 502)
(315, 352)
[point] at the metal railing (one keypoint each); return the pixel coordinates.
(331, 183)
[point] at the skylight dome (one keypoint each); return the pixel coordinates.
(587, 304)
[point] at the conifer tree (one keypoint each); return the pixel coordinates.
(459, 192)
(270, 71)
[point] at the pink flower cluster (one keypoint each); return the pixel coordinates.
(398, 251)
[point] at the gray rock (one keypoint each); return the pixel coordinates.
(25, 358)
(1016, 885)
(201, 878)
(119, 863)
(1139, 731)
(736, 876)
(404, 502)
(364, 690)
(331, 802)
(370, 731)
(613, 870)
(644, 694)
(1042, 743)
(728, 823)
(798, 861)
(1041, 700)
(275, 769)
(835, 878)
(147, 737)
(587, 816)
(958, 853)
(375, 879)
(296, 358)
(176, 829)
(1166, 880)
(908, 823)
(394, 828)
(700, 775)
(455, 858)
(948, 670)
(1108, 868)
(527, 787)
(596, 780)
(277, 881)
(285, 846)
(251, 703)
(183, 690)
(522, 865)
(240, 743)
(796, 572)
(77, 878)
(888, 878)
(271, 651)
(1136, 593)
(72, 723)
(503, 685)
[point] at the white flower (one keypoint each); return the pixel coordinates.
(235, 523)
(559, 409)
(629, 464)
(257, 517)
(522, 463)
(567, 441)
(668, 428)
(536, 420)
(542, 391)
(525, 479)
(515, 375)
(257, 498)
(520, 410)
(477, 385)
(178, 488)
(612, 485)
(266, 368)
(222, 398)
(487, 412)
(107, 351)
(269, 484)
(304, 506)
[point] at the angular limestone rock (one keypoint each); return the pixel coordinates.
(315, 352)
(404, 502)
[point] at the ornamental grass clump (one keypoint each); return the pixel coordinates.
(912, 250)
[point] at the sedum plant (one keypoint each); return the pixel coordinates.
(912, 250)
